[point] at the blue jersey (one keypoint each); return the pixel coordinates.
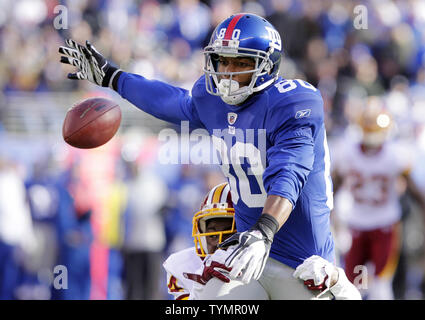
(273, 144)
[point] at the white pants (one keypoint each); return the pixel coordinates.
(276, 283)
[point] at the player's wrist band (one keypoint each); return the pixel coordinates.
(112, 75)
(113, 82)
(268, 226)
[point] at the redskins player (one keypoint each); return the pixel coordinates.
(368, 173)
(188, 269)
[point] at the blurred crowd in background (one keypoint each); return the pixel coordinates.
(112, 215)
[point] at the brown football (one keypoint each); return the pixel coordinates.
(91, 123)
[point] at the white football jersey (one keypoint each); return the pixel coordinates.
(185, 260)
(369, 197)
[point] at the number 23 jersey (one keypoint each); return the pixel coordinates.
(370, 183)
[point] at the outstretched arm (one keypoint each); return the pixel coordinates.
(163, 101)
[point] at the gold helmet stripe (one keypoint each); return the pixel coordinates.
(225, 193)
(217, 193)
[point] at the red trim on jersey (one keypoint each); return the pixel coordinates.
(231, 26)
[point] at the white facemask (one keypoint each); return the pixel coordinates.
(228, 88)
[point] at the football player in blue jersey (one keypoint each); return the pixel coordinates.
(270, 135)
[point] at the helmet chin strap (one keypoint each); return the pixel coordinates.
(226, 87)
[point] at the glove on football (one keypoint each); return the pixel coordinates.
(91, 64)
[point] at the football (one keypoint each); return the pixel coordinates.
(91, 123)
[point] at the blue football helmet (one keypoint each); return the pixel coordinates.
(242, 35)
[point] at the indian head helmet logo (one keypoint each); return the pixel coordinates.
(231, 117)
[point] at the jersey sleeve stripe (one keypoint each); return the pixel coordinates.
(172, 285)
